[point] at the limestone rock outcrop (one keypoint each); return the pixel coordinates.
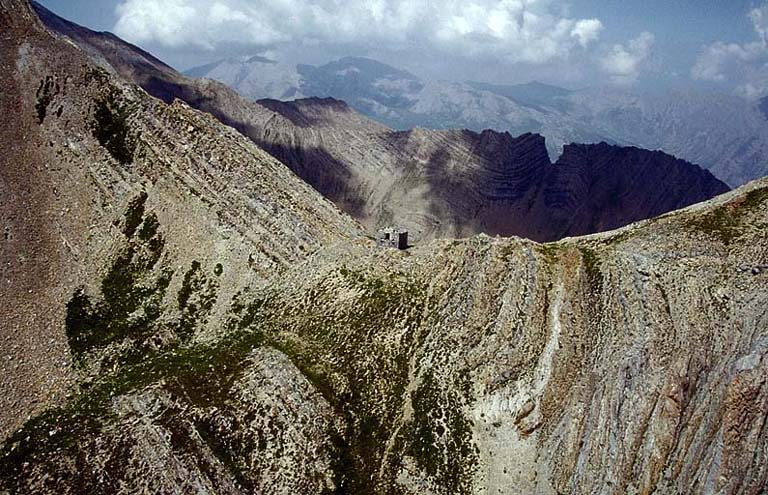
(184, 314)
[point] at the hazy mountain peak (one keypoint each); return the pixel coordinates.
(372, 68)
(261, 60)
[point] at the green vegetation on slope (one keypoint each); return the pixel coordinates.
(727, 223)
(440, 437)
(346, 350)
(196, 299)
(132, 293)
(112, 129)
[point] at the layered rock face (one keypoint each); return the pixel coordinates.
(435, 183)
(113, 195)
(459, 183)
(594, 188)
(627, 362)
(724, 133)
(186, 316)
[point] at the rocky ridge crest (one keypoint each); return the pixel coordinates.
(217, 326)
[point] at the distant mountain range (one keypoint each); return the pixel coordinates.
(437, 183)
(726, 134)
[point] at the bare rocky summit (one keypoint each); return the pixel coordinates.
(185, 315)
(435, 183)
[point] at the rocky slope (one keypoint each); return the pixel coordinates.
(724, 133)
(223, 329)
(459, 183)
(101, 182)
(436, 183)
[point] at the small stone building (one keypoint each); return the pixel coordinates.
(392, 237)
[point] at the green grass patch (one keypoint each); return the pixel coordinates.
(592, 265)
(440, 436)
(132, 291)
(196, 299)
(134, 215)
(48, 89)
(727, 222)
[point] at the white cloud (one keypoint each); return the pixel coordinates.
(624, 63)
(531, 31)
(587, 31)
(720, 58)
(745, 65)
(759, 17)
(173, 15)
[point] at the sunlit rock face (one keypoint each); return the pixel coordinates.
(184, 314)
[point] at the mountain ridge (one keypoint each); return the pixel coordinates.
(732, 152)
(432, 182)
(462, 182)
(200, 320)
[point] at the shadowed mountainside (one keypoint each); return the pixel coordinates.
(726, 134)
(435, 183)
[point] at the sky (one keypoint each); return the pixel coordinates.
(717, 44)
